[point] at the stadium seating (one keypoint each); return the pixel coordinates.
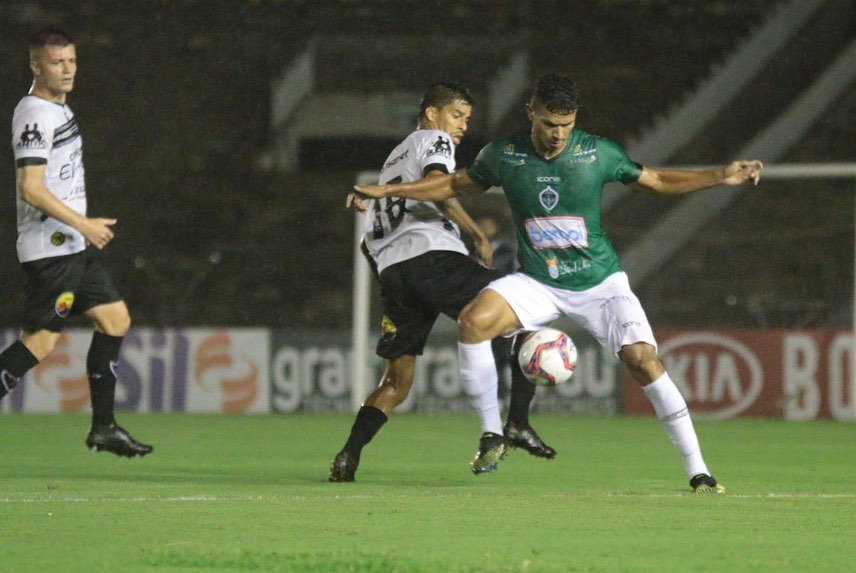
(174, 105)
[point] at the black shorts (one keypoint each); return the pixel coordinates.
(416, 291)
(61, 287)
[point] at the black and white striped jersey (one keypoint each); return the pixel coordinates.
(398, 229)
(46, 133)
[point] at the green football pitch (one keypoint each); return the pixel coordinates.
(227, 493)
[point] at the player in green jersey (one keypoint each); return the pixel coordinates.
(553, 178)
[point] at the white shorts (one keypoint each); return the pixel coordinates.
(609, 311)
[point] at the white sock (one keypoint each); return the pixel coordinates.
(478, 371)
(671, 409)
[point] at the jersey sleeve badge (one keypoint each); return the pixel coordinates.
(442, 146)
(31, 138)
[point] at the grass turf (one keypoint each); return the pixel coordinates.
(249, 493)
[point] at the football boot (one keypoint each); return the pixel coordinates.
(343, 467)
(116, 440)
(492, 448)
(703, 483)
(525, 437)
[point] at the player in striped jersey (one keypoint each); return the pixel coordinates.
(63, 277)
(423, 267)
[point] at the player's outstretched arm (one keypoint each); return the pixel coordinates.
(673, 181)
(739, 172)
(425, 189)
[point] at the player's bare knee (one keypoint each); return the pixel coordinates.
(642, 361)
(118, 327)
(473, 327)
(113, 319)
(121, 326)
(40, 343)
(125, 324)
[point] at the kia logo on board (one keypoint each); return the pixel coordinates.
(720, 377)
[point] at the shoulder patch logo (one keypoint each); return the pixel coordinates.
(549, 198)
(63, 304)
(441, 147)
(31, 138)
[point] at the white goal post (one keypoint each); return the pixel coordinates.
(361, 328)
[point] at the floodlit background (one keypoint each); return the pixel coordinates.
(225, 134)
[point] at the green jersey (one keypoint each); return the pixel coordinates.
(555, 204)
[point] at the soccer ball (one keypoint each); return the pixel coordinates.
(547, 357)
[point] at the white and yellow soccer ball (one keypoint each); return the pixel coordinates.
(547, 357)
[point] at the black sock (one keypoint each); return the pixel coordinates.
(368, 422)
(522, 392)
(15, 361)
(501, 348)
(101, 369)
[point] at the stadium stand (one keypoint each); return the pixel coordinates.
(174, 104)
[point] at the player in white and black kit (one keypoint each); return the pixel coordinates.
(64, 278)
(423, 266)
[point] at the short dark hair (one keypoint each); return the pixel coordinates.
(442, 94)
(559, 94)
(49, 37)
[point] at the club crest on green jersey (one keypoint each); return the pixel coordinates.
(549, 198)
